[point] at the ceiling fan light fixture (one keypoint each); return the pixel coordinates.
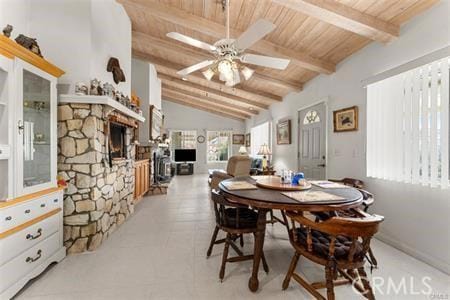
(225, 68)
(247, 72)
(208, 74)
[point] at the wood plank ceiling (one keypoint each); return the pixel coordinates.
(314, 34)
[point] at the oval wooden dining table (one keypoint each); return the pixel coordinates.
(265, 199)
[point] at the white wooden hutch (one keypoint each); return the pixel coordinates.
(31, 217)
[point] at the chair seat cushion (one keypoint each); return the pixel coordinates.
(321, 244)
(247, 218)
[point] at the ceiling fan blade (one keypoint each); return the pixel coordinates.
(190, 41)
(265, 61)
(195, 67)
(254, 33)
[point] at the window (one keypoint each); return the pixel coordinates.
(183, 139)
(219, 146)
(311, 117)
(260, 135)
(408, 126)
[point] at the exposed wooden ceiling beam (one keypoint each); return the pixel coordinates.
(196, 100)
(183, 101)
(176, 49)
(205, 26)
(255, 99)
(200, 94)
(209, 93)
(343, 16)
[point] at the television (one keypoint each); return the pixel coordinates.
(185, 155)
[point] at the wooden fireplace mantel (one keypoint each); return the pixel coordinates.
(101, 100)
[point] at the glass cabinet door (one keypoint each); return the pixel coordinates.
(36, 129)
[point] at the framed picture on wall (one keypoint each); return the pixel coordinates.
(156, 123)
(345, 119)
(247, 140)
(238, 139)
(284, 132)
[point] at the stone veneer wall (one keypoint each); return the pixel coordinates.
(98, 197)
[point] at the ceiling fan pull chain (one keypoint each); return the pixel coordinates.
(228, 18)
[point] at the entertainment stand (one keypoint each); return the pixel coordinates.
(185, 168)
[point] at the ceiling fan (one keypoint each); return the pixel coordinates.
(230, 57)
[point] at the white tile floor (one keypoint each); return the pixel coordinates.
(160, 253)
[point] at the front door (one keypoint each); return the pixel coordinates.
(312, 141)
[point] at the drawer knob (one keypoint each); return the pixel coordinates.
(42, 204)
(55, 200)
(33, 237)
(8, 218)
(33, 259)
(27, 211)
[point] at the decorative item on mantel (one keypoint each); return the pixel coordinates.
(108, 89)
(81, 89)
(96, 87)
(7, 30)
(135, 99)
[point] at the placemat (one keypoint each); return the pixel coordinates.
(239, 185)
(325, 184)
(313, 197)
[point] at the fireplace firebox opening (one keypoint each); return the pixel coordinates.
(117, 134)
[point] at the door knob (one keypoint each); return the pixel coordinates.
(321, 165)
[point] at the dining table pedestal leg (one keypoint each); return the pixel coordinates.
(260, 233)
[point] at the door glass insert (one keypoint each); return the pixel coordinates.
(311, 117)
(36, 129)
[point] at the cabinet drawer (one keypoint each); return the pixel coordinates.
(26, 238)
(13, 216)
(27, 261)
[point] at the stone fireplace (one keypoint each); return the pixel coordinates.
(96, 159)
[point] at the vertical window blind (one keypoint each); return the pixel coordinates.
(408, 126)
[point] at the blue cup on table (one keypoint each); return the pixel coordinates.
(297, 177)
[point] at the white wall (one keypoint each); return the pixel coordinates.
(16, 13)
(185, 118)
(146, 85)
(79, 36)
(417, 218)
(110, 37)
(62, 29)
(140, 84)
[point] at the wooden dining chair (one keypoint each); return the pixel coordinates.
(339, 244)
(235, 220)
(358, 184)
(368, 200)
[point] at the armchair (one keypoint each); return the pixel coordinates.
(238, 165)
